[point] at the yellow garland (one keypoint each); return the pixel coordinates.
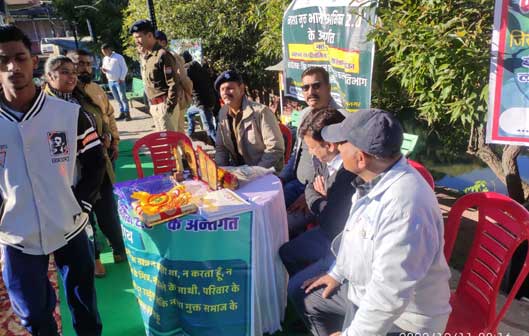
(152, 204)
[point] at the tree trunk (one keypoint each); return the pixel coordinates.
(506, 168)
(512, 175)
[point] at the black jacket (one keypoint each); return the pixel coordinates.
(332, 211)
(203, 94)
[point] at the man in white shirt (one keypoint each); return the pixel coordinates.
(391, 249)
(115, 68)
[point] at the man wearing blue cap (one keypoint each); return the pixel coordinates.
(391, 249)
(248, 132)
(160, 76)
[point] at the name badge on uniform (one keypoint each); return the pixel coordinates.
(168, 70)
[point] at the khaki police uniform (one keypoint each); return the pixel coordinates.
(162, 86)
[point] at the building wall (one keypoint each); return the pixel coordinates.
(36, 29)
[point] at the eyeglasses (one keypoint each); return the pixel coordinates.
(314, 86)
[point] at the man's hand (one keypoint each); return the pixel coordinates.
(319, 185)
(310, 281)
(299, 205)
(115, 151)
(338, 333)
(121, 81)
(106, 141)
(326, 281)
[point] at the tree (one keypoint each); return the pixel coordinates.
(436, 54)
(242, 34)
(105, 17)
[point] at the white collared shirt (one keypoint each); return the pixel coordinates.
(115, 66)
(334, 165)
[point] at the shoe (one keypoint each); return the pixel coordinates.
(99, 270)
(121, 116)
(119, 258)
(128, 118)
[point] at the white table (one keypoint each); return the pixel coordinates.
(270, 232)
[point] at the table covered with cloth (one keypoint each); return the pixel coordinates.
(197, 277)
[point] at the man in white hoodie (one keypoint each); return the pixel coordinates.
(391, 249)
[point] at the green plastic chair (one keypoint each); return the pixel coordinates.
(138, 90)
(408, 144)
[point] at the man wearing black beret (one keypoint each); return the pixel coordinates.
(159, 72)
(248, 132)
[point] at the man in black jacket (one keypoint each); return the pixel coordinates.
(329, 199)
(203, 97)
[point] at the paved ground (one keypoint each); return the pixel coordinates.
(516, 321)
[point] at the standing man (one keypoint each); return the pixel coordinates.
(390, 275)
(83, 61)
(94, 100)
(248, 131)
(203, 97)
(44, 210)
(184, 98)
(159, 73)
(115, 68)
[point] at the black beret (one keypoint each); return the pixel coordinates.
(227, 76)
(141, 26)
(160, 35)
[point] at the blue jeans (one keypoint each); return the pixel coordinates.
(207, 120)
(33, 298)
(119, 92)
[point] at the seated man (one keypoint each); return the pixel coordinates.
(326, 161)
(391, 250)
(329, 197)
(299, 170)
(248, 132)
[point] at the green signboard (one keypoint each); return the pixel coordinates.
(508, 118)
(192, 277)
(331, 34)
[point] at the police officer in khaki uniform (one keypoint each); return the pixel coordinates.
(159, 73)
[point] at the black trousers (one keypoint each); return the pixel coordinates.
(106, 212)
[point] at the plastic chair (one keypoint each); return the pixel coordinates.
(287, 136)
(423, 171)
(161, 146)
(503, 225)
(408, 144)
(138, 90)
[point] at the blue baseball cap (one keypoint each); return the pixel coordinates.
(141, 26)
(227, 76)
(373, 131)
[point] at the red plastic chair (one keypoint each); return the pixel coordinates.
(503, 225)
(161, 147)
(423, 171)
(287, 136)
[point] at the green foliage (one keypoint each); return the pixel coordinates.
(242, 34)
(105, 18)
(435, 57)
(479, 186)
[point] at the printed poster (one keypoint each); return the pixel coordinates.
(331, 34)
(508, 117)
